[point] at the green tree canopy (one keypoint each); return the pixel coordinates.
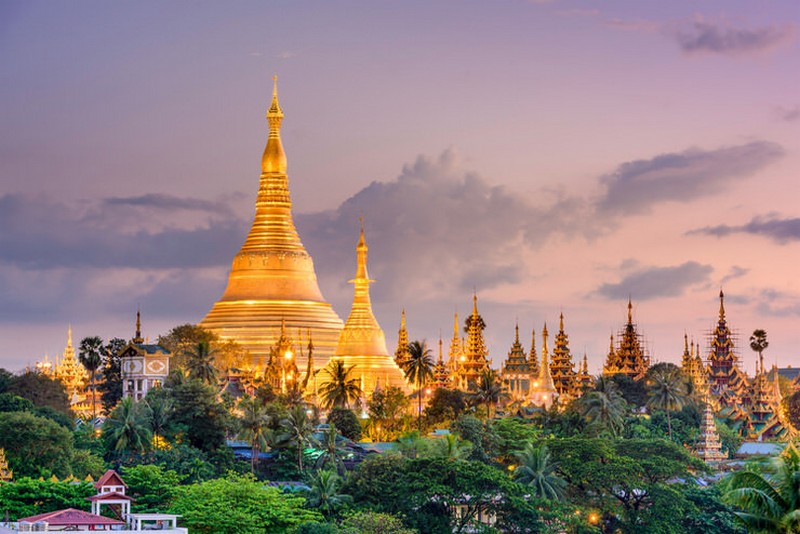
(41, 390)
(239, 504)
(35, 446)
(27, 497)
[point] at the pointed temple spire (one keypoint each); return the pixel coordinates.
(456, 352)
(544, 392)
(69, 370)
(629, 357)
(362, 342)
(401, 353)
(561, 365)
(721, 306)
(516, 371)
(137, 338)
(475, 353)
(272, 277)
(533, 358)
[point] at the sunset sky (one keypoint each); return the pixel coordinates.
(554, 156)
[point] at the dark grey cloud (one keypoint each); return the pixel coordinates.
(782, 231)
(656, 282)
(40, 233)
(435, 230)
(735, 272)
(706, 37)
(636, 186)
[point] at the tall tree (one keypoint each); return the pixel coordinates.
(255, 427)
(769, 501)
(759, 343)
(111, 385)
(418, 368)
(488, 391)
(92, 354)
(127, 428)
(200, 363)
(324, 495)
(296, 432)
(537, 471)
(339, 385)
(604, 408)
(161, 411)
(666, 391)
(333, 452)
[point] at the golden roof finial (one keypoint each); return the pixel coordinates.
(721, 305)
(274, 158)
(686, 343)
(69, 336)
(630, 311)
(138, 337)
(475, 303)
(561, 322)
(361, 253)
(516, 332)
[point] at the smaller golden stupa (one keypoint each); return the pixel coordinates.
(362, 342)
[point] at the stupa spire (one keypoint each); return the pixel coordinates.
(362, 342)
(272, 277)
(721, 306)
(137, 338)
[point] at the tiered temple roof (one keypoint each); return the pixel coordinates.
(441, 373)
(725, 378)
(401, 352)
(69, 370)
(629, 357)
(533, 359)
(561, 365)
(517, 373)
(708, 446)
(272, 278)
(476, 357)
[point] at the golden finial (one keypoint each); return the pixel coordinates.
(475, 303)
(561, 322)
(685, 342)
(138, 338)
(274, 158)
(721, 305)
(630, 311)
(361, 254)
(516, 332)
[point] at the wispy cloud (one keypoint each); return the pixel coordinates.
(789, 114)
(655, 282)
(636, 186)
(779, 230)
(703, 36)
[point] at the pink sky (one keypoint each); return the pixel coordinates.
(552, 155)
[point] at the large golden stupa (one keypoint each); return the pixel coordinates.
(362, 342)
(272, 279)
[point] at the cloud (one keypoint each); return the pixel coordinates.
(656, 282)
(735, 272)
(779, 230)
(436, 229)
(37, 232)
(706, 37)
(170, 202)
(636, 186)
(774, 303)
(788, 114)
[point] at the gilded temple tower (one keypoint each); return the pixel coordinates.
(69, 370)
(543, 391)
(516, 373)
(629, 358)
(561, 365)
(475, 353)
(362, 343)
(401, 353)
(272, 277)
(724, 376)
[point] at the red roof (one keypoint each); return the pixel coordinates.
(72, 517)
(109, 478)
(111, 496)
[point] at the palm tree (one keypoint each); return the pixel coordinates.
(666, 391)
(759, 343)
(339, 386)
(770, 502)
(418, 368)
(489, 391)
(90, 353)
(332, 451)
(200, 363)
(126, 428)
(536, 471)
(451, 447)
(255, 427)
(161, 409)
(604, 408)
(325, 494)
(296, 432)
